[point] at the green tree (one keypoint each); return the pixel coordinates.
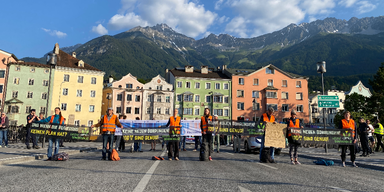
(376, 102)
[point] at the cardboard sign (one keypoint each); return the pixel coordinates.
(275, 135)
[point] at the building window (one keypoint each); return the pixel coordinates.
(92, 108)
(217, 86)
(93, 80)
(284, 95)
(31, 81)
(187, 111)
(128, 110)
(45, 83)
(240, 106)
(149, 99)
(299, 108)
(63, 106)
(197, 98)
(167, 111)
(167, 99)
(149, 110)
(218, 112)
(255, 94)
(179, 97)
(80, 79)
(137, 87)
(128, 86)
(66, 78)
(314, 110)
(270, 94)
(284, 83)
(226, 100)
(137, 110)
(78, 108)
(16, 81)
(332, 111)
(197, 85)
(159, 87)
(179, 84)
(13, 109)
(197, 111)
(270, 82)
(207, 85)
(188, 98)
(90, 123)
(32, 70)
(77, 123)
(274, 106)
(65, 91)
(240, 93)
(298, 84)
(28, 109)
(79, 93)
(42, 110)
(15, 94)
(299, 96)
(158, 111)
(137, 98)
(17, 68)
(158, 98)
(256, 106)
(269, 71)
(46, 70)
(226, 86)
(285, 107)
(218, 99)
(44, 96)
(1, 89)
(93, 93)
(241, 81)
(255, 81)
(119, 97)
(208, 98)
(29, 95)
(118, 109)
(226, 112)
(188, 84)
(129, 97)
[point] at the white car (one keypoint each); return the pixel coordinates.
(248, 143)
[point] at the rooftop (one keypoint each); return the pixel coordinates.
(179, 72)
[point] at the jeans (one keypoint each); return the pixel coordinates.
(182, 141)
(293, 148)
(29, 135)
(197, 141)
(118, 140)
(50, 143)
(137, 146)
(217, 138)
(107, 138)
(364, 143)
(3, 135)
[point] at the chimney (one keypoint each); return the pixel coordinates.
(204, 69)
(218, 68)
(56, 49)
(110, 79)
(188, 69)
(74, 54)
(223, 68)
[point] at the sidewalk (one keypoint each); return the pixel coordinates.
(375, 161)
(18, 152)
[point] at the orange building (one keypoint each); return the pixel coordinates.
(253, 91)
(5, 59)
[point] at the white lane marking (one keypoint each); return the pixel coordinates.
(229, 153)
(340, 189)
(144, 181)
(267, 165)
(242, 189)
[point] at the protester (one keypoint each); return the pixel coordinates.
(138, 144)
(54, 120)
(363, 129)
(379, 132)
(62, 140)
(217, 133)
(108, 127)
(30, 119)
(267, 117)
(118, 135)
(4, 125)
(348, 123)
(206, 133)
(197, 139)
(183, 140)
(370, 137)
(174, 128)
(41, 116)
(153, 143)
(294, 123)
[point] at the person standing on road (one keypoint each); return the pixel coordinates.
(267, 117)
(30, 119)
(348, 123)
(197, 139)
(293, 122)
(379, 132)
(4, 125)
(206, 133)
(183, 140)
(370, 137)
(217, 133)
(138, 144)
(56, 120)
(108, 127)
(363, 129)
(118, 135)
(153, 143)
(174, 129)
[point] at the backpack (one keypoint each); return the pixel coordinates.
(266, 156)
(324, 162)
(115, 155)
(61, 157)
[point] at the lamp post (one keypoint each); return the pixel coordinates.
(321, 68)
(51, 61)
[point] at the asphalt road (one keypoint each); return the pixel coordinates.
(227, 172)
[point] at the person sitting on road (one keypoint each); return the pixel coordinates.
(267, 117)
(293, 122)
(348, 123)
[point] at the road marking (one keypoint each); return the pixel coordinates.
(340, 189)
(144, 181)
(242, 189)
(267, 165)
(229, 153)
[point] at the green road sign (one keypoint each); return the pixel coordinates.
(328, 101)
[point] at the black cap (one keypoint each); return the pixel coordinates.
(32, 110)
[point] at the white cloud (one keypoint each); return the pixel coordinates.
(313, 7)
(312, 19)
(218, 4)
(238, 25)
(223, 19)
(100, 29)
(56, 33)
(347, 3)
(365, 6)
(185, 17)
(127, 6)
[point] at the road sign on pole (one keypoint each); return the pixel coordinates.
(328, 101)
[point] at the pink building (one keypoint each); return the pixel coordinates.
(126, 97)
(5, 58)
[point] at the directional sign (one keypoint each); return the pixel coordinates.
(328, 101)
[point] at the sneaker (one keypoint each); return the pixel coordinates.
(2, 146)
(218, 151)
(170, 159)
(343, 164)
(28, 147)
(36, 147)
(49, 159)
(210, 158)
(354, 164)
(293, 163)
(194, 150)
(184, 150)
(297, 163)
(103, 158)
(176, 158)
(150, 150)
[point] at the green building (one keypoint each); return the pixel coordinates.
(197, 89)
(27, 88)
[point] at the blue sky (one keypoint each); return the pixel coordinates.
(31, 28)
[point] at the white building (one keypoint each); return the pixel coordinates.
(316, 113)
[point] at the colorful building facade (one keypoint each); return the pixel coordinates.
(5, 59)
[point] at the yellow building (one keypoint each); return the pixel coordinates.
(77, 89)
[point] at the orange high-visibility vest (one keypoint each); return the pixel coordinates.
(109, 125)
(266, 119)
(174, 126)
(350, 125)
(204, 125)
(61, 120)
(296, 125)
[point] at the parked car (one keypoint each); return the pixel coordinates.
(248, 144)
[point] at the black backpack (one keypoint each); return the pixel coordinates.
(61, 157)
(266, 156)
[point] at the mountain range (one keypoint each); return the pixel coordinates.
(353, 48)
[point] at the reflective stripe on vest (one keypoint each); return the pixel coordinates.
(261, 126)
(296, 125)
(109, 125)
(265, 118)
(379, 130)
(349, 125)
(174, 126)
(204, 125)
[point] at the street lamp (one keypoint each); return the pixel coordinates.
(51, 61)
(321, 68)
